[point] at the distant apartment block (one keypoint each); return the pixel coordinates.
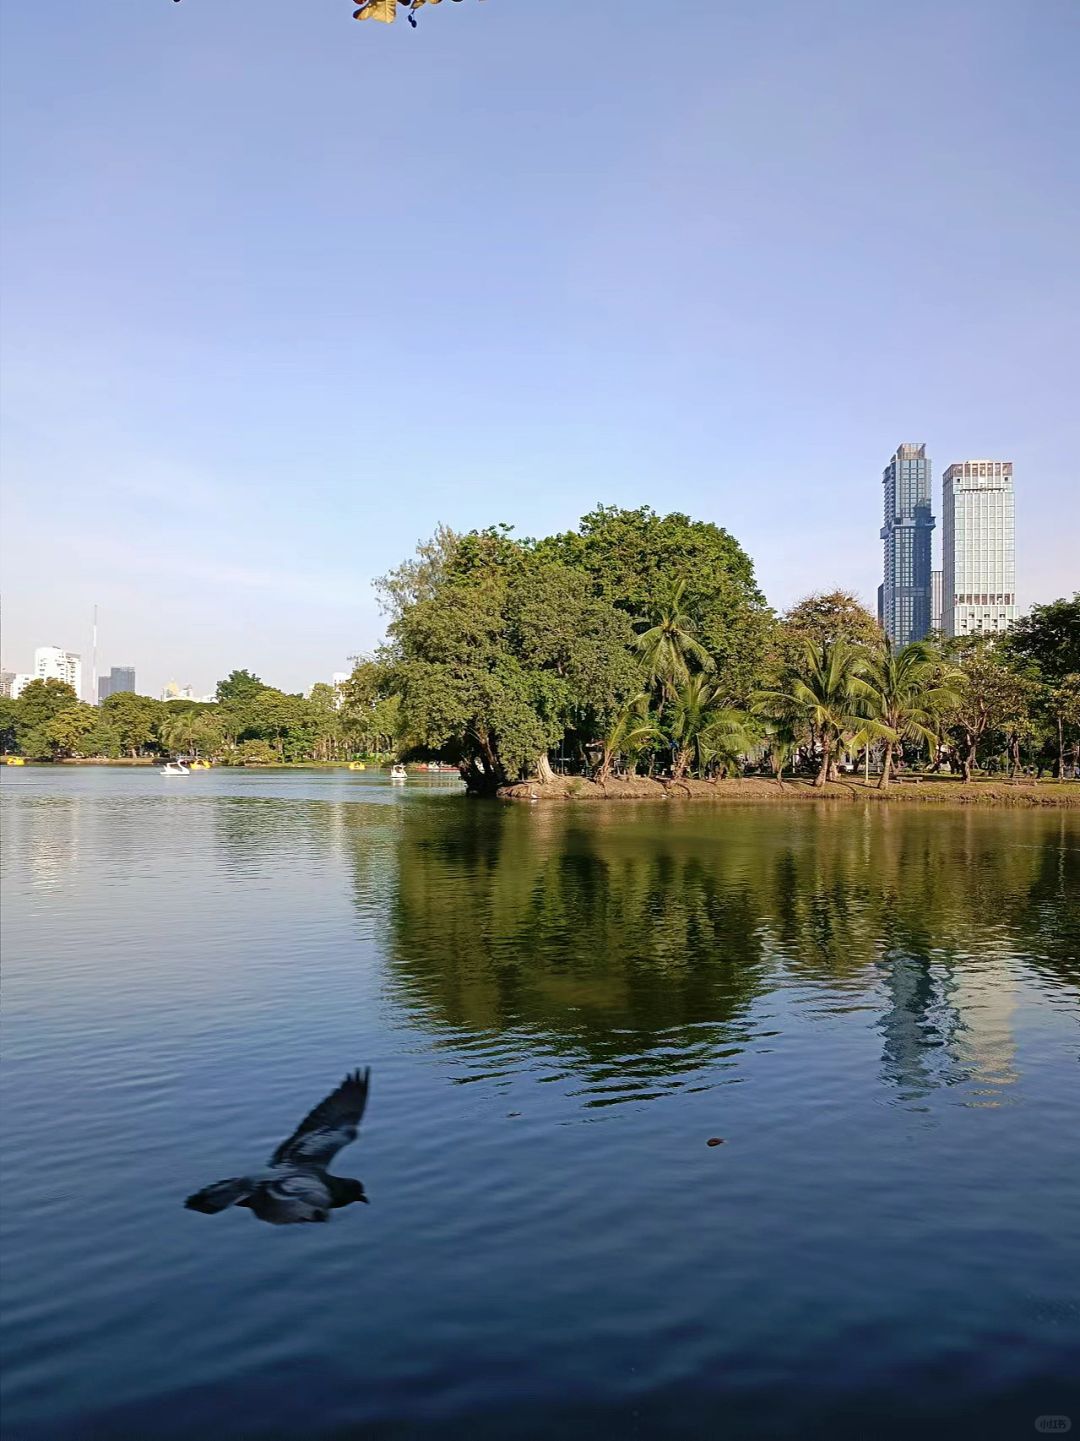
(935, 599)
(904, 596)
(978, 561)
(174, 691)
(52, 663)
(19, 683)
(7, 679)
(120, 677)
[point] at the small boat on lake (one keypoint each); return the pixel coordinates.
(357, 766)
(398, 773)
(175, 768)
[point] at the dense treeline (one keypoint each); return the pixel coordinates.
(636, 643)
(249, 723)
(641, 643)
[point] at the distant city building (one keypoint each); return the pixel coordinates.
(185, 692)
(19, 684)
(52, 663)
(904, 597)
(337, 680)
(7, 678)
(120, 677)
(935, 599)
(978, 561)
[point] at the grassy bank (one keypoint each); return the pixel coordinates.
(753, 789)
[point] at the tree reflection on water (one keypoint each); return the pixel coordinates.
(640, 948)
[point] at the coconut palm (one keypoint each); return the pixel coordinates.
(631, 731)
(190, 733)
(908, 691)
(703, 730)
(781, 737)
(669, 649)
(730, 737)
(827, 695)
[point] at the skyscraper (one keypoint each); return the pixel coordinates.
(935, 599)
(978, 560)
(52, 663)
(904, 598)
(121, 677)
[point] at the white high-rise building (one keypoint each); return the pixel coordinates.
(52, 663)
(19, 683)
(978, 560)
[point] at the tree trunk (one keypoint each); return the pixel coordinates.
(544, 774)
(1061, 749)
(826, 762)
(886, 767)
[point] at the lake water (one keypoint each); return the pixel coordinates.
(877, 1010)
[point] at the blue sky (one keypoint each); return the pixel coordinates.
(283, 291)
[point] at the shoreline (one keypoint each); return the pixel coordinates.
(1025, 794)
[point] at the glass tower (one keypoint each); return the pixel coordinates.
(121, 677)
(904, 597)
(978, 561)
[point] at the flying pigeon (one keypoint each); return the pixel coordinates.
(296, 1186)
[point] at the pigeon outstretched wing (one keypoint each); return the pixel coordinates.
(330, 1126)
(219, 1196)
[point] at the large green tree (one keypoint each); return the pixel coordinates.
(1062, 705)
(634, 557)
(821, 619)
(40, 703)
(70, 731)
(136, 719)
(992, 696)
(508, 652)
(370, 715)
(239, 685)
(1048, 637)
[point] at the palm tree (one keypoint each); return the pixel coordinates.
(703, 729)
(828, 695)
(178, 731)
(730, 737)
(670, 646)
(188, 733)
(631, 731)
(908, 692)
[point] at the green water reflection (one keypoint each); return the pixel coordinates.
(632, 935)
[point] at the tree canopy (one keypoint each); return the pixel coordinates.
(633, 558)
(1048, 637)
(503, 654)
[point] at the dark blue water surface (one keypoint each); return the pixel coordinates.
(876, 1009)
